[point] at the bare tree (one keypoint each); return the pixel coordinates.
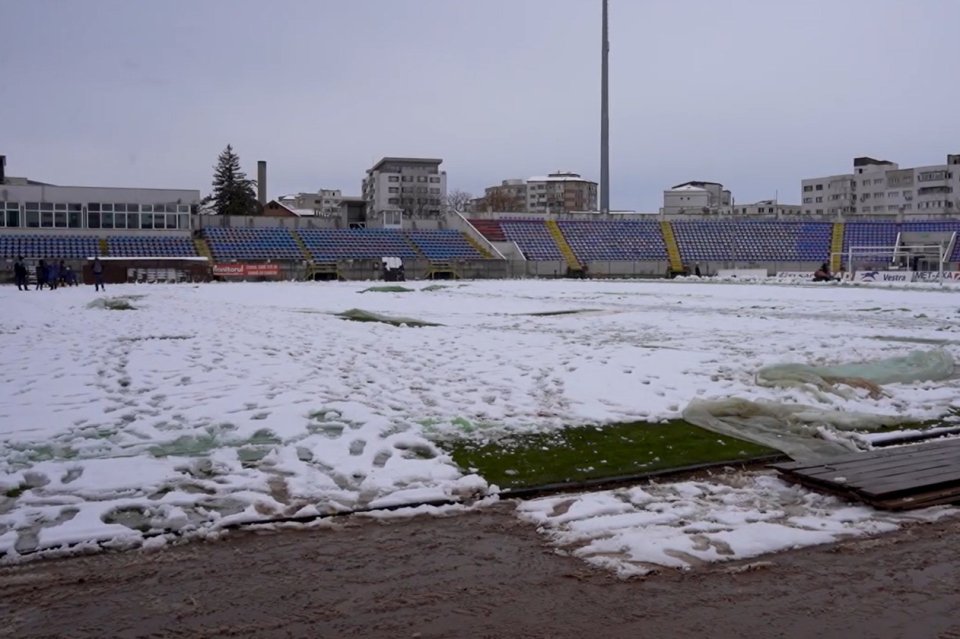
(457, 200)
(504, 201)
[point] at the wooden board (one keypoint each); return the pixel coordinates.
(899, 478)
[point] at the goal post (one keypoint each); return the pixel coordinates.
(901, 257)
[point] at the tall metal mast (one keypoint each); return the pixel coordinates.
(604, 118)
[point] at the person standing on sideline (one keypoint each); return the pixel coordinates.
(52, 275)
(20, 274)
(62, 273)
(98, 274)
(41, 275)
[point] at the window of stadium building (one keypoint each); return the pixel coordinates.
(9, 214)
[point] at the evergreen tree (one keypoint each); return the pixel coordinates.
(233, 193)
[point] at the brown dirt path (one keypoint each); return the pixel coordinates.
(480, 574)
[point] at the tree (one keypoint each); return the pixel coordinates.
(457, 200)
(233, 193)
(503, 200)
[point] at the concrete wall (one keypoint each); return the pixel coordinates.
(615, 268)
(260, 221)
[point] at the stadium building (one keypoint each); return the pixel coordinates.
(152, 235)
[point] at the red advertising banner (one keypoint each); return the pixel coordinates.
(246, 270)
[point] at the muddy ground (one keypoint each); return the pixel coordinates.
(480, 574)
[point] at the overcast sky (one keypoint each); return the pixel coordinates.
(756, 94)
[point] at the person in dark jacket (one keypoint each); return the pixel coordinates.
(20, 274)
(41, 275)
(98, 274)
(52, 275)
(62, 273)
(70, 277)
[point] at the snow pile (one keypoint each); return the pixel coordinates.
(634, 531)
(206, 405)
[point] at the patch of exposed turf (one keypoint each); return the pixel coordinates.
(358, 315)
(387, 289)
(590, 452)
(16, 491)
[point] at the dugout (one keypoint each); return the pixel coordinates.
(121, 270)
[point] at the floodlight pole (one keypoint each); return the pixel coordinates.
(604, 117)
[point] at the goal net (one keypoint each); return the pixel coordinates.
(907, 258)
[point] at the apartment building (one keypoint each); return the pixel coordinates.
(559, 192)
(881, 188)
(695, 197)
(323, 203)
(411, 186)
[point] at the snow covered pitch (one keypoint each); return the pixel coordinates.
(188, 407)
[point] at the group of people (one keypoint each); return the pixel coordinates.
(51, 275)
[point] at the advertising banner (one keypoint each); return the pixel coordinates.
(246, 270)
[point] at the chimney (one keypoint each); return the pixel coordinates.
(3, 164)
(262, 182)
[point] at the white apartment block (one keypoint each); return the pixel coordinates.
(411, 186)
(695, 198)
(763, 207)
(561, 192)
(881, 188)
(323, 203)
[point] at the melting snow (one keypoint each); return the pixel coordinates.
(208, 405)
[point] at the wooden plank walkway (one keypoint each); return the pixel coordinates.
(893, 479)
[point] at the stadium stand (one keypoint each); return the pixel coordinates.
(533, 238)
(944, 226)
(618, 240)
(252, 244)
(490, 229)
(753, 240)
(337, 244)
(869, 234)
(444, 244)
(67, 247)
(150, 246)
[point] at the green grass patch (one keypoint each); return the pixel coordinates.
(358, 315)
(15, 491)
(387, 289)
(591, 452)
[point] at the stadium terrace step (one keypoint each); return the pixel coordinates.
(301, 244)
(673, 249)
(568, 255)
(203, 249)
(836, 247)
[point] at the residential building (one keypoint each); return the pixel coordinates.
(411, 186)
(323, 203)
(27, 204)
(559, 192)
(508, 196)
(695, 198)
(881, 188)
(763, 207)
